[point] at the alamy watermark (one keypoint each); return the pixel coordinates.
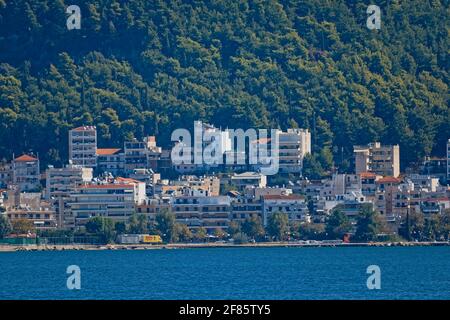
(74, 20)
(74, 280)
(374, 280)
(212, 147)
(374, 20)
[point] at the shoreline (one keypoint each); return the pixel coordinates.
(14, 248)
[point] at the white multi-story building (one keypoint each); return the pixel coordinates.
(115, 200)
(63, 181)
(83, 146)
(293, 146)
(248, 179)
(293, 205)
(211, 212)
(25, 173)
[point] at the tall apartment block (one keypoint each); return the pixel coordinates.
(25, 173)
(60, 183)
(83, 146)
(293, 146)
(380, 159)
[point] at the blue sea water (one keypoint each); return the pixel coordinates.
(229, 273)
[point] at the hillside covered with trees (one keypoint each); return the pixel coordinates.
(149, 66)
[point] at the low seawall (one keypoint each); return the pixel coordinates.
(12, 248)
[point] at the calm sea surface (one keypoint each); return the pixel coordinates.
(229, 273)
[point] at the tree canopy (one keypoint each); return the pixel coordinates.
(147, 67)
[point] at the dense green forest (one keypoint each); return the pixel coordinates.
(149, 66)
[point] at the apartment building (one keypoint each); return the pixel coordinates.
(5, 174)
(294, 205)
(60, 183)
(199, 211)
(63, 181)
(247, 179)
(83, 146)
(26, 173)
(245, 207)
(43, 218)
(111, 160)
(151, 207)
(293, 145)
(29, 206)
(116, 200)
(141, 154)
(380, 159)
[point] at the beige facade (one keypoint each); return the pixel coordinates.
(380, 159)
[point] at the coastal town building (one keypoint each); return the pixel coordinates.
(293, 205)
(381, 159)
(25, 173)
(245, 207)
(210, 213)
(141, 154)
(241, 181)
(29, 206)
(112, 199)
(5, 174)
(61, 183)
(110, 160)
(294, 145)
(83, 146)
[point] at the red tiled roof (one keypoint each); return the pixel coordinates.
(25, 157)
(389, 180)
(367, 175)
(84, 128)
(107, 151)
(129, 180)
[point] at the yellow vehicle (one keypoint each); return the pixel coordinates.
(147, 238)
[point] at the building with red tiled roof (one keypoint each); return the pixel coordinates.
(107, 151)
(25, 158)
(25, 173)
(389, 180)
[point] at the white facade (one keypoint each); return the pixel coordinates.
(25, 173)
(293, 146)
(293, 205)
(113, 200)
(63, 181)
(83, 146)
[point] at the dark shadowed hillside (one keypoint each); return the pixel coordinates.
(147, 67)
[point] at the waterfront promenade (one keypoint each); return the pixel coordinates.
(12, 248)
